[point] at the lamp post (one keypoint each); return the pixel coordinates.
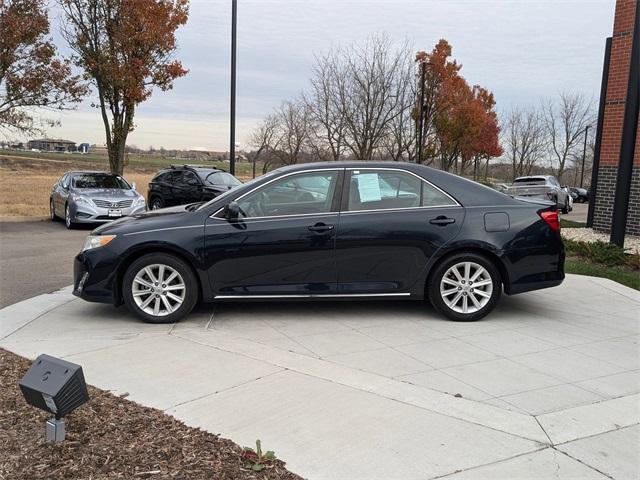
(232, 139)
(584, 152)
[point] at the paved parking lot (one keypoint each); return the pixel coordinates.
(546, 386)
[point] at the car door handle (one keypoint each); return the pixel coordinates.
(442, 221)
(320, 227)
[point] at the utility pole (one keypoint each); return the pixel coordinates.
(232, 140)
(421, 117)
(584, 152)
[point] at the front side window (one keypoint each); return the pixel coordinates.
(190, 178)
(390, 189)
(299, 194)
(99, 181)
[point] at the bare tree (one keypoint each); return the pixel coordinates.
(324, 107)
(565, 122)
(525, 139)
(400, 141)
(367, 93)
(265, 139)
(294, 120)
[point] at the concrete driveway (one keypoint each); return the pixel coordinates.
(546, 386)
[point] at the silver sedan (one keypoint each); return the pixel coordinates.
(93, 197)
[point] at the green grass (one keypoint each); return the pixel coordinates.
(564, 223)
(624, 275)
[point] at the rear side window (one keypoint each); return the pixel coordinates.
(390, 189)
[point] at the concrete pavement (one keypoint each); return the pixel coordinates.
(547, 386)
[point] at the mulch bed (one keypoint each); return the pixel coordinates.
(110, 437)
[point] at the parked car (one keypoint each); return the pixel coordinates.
(341, 230)
(542, 186)
(580, 195)
(93, 197)
(185, 184)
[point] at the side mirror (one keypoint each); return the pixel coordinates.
(232, 211)
(133, 185)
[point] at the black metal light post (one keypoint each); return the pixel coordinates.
(232, 139)
(421, 118)
(584, 152)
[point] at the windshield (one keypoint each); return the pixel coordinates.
(99, 180)
(219, 178)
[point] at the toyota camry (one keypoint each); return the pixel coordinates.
(339, 230)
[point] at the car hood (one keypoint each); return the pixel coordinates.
(105, 193)
(154, 219)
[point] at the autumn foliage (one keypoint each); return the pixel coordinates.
(125, 48)
(31, 72)
(460, 126)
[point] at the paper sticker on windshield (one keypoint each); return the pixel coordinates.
(369, 187)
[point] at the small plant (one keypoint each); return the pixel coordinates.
(600, 252)
(255, 459)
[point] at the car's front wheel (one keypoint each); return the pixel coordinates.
(160, 288)
(52, 212)
(465, 287)
(156, 203)
(67, 217)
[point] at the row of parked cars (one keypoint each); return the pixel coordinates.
(547, 187)
(93, 197)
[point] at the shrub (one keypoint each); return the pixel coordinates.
(601, 252)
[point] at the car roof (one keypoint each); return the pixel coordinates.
(85, 172)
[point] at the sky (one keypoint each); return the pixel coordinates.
(522, 50)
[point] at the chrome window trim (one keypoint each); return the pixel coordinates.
(275, 217)
(311, 295)
(391, 210)
(213, 215)
(454, 204)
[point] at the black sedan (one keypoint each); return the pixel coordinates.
(349, 230)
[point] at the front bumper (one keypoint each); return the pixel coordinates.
(95, 277)
(88, 213)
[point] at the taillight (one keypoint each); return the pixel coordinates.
(551, 219)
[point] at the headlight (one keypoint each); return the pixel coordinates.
(79, 199)
(138, 201)
(95, 241)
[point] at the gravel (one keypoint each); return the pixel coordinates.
(631, 243)
(112, 438)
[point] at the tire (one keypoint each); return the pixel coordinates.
(52, 213)
(443, 279)
(168, 309)
(156, 203)
(70, 224)
(565, 209)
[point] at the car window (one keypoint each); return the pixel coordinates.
(99, 180)
(190, 178)
(219, 178)
(163, 177)
(298, 194)
(390, 189)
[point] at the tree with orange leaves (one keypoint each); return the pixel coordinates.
(126, 48)
(32, 75)
(459, 124)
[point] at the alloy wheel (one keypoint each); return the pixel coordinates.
(466, 287)
(52, 212)
(158, 290)
(67, 216)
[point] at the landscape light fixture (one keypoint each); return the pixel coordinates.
(56, 386)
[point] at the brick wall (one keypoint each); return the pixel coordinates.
(615, 100)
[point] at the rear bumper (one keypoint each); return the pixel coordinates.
(536, 270)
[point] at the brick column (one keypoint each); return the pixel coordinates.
(612, 131)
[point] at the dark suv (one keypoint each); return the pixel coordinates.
(183, 184)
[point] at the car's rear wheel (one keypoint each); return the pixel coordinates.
(67, 217)
(465, 287)
(156, 203)
(160, 288)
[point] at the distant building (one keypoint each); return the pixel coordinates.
(99, 149)
(52, 145)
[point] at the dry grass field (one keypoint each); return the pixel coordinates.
(25, 182)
